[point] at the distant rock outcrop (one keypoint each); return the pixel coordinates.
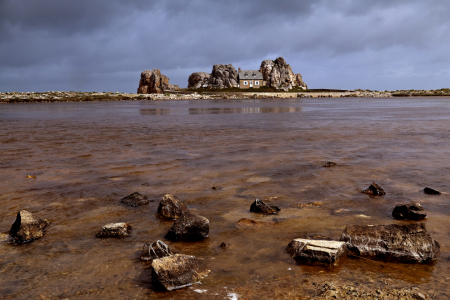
(278, 74)
(223, 76)
(153, 82)
(198, 80)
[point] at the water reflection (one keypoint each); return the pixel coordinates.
(218, 110)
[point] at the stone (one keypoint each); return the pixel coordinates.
(177, 271)
(189, 227)
(135, 199)
(258, 206)
(244, 222)
(374, 190)
(27, 227)
(430, 191)
(171, 207)
(316, 251)
(224, 245)
(114, 230)
(329, 164)
(198, 79)
(155, 250)
(397, 243)
(409, 211)
(153, 82)
(278, 74)
(223, 76)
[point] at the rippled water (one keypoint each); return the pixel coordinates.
(87, 156)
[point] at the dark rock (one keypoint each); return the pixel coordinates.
(27, 227)
(398, 243)
(329, 164)
(189, 227)
(216, 187)
(135, 199)
(224, 245)
(177, 271)
(171, 207)
(258, 206)
(409, 211)
(155, 250)
(429, 191)
(375, 190)
(316, 251)
(114, 230)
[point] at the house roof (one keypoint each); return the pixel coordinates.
(250, 74)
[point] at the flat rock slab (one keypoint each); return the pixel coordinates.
(135, 199)
(27, 227)
(114, 230)
(316, 251)
(374, 190)
(171, 207)
(177, 271)
(258, 206)
(430, 191)
(189, 227)
(409, 211)
(397, 243)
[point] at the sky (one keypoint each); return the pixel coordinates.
(104, 45)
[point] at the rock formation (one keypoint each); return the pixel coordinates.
(321, 251)
(27, 227)
(223, 76)
(154, 82)
(171, 207)
(198, 80)
(278, 74)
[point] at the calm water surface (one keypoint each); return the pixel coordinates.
(87, 156)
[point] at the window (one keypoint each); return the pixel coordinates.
(256, 82)
(245, 82)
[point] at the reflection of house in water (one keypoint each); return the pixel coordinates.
(217, 110)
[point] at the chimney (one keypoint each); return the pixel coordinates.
(239, 70)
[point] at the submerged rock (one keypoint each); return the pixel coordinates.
(171, 207)
(329, 164)
(312, 251)
(135, 199)
(258, 206)
(430, 191)
(27, 227)
(177, 271)
(114, 230)
(375, 190)
(409, 211)
(155, 250)
(189, 227)
(399, 243)
(244, 222)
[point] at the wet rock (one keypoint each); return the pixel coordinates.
(189, 227)
(316, 251)
(430, 191)
(409, 211)
(114, 230)
(177, 271)
(244, 222)
(27, 227)
(171, 207)
(329, 164)
(224, 245)
(258, 206)
(155, 250)
(375, 190)
(398, 243)
(135, 199)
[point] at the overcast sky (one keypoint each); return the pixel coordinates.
(104, 45)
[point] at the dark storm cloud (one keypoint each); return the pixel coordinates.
(104, 45)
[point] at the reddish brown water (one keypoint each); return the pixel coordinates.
(87, 156)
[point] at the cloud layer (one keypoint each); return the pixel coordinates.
(103, 45)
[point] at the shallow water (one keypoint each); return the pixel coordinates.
(87, 156)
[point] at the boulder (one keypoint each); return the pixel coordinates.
(154, 82)
(278, 74)
(135, 199)
(171, 207)
(329, 164)
(223, 76)
(114, 230)
(374, 190)
(397, 243)
(27, 227)
(198, 80)
(258, 206)
(409, 211)
(430, 191)
(189, 227)
(177, 271)
(316, 251)
(155, 250)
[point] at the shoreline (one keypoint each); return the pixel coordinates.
(48, 97)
